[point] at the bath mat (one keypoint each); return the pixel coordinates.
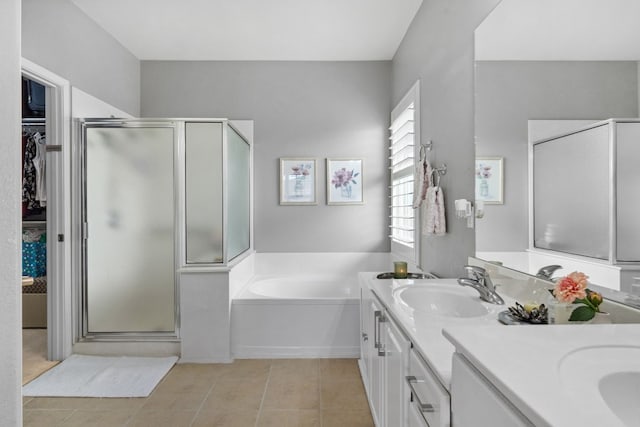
(98, 376)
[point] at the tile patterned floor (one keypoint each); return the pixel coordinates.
(253, 393)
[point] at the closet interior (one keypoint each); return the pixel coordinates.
(34, 229)
(34, 206)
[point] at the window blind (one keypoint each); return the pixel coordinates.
(402, 141)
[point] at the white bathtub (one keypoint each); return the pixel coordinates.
(296, 316)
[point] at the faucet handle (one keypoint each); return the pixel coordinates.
(547, 271)
(475, 272)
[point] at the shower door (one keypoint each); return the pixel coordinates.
(129, 228)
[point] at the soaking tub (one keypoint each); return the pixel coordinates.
(296, 316)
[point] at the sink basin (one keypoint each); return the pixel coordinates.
(621, 393)
(441, 300)
(605, 378)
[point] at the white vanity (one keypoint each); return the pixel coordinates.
(434, 355)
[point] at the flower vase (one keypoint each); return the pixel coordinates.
(484, 188)
(559, 312)
(299, 186)
(602, 318)
(345, 191)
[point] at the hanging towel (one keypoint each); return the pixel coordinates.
(433, 220)
(423, 174)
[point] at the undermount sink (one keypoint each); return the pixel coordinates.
(605, 376)
(442, 300)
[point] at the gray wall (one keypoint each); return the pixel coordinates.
(300, 109)
(10, 263)
(438, 50)
(58, 36)
(508, 93)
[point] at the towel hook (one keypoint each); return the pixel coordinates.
(437, 173)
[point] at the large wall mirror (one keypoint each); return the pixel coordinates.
(543, 60)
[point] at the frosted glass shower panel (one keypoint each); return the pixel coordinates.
(129, 196)
(239, 193)
(203, 192)
(571, 193)
(628, 197)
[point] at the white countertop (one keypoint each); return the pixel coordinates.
(425, 329)
(539, 368)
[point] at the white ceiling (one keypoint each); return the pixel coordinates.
(575, 30)
(300, 30)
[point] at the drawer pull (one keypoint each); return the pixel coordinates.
(424, 407)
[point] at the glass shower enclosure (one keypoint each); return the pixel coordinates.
(157, 195)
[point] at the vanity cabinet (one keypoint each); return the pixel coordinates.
(384, 353)
(475, 402)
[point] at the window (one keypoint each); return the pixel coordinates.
(404, 139)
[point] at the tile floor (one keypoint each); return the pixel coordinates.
(256, 393)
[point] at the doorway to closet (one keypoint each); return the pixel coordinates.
(35, 359)
(46, 296)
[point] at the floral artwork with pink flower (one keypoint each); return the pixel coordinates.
(571, 287)
(343, 177)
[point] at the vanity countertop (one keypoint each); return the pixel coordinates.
(425, 329)
(552, 373)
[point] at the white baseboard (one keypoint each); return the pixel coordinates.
(263, 352)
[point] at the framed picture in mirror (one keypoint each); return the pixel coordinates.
(490, 180)
(298, 181)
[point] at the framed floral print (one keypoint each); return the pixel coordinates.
(344, 182)
(298, 181)
(489, 180)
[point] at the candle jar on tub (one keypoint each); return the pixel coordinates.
(400, 270)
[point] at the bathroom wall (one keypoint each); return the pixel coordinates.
(300, 109)
(438, 50)
(58, 36)
(508, 93)
(10, 262)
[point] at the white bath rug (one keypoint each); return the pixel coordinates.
(98, 376)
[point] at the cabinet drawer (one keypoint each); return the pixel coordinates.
(427, 394)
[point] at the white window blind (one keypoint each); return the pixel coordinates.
(403, 140)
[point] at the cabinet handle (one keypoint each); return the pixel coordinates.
(424, 407)
(376, 328)
(365, 337)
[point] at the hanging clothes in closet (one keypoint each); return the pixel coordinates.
(34, 190)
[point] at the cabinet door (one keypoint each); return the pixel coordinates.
(376, 364)
(475, 402)
(395, 353)
(366, 334)
(414, 418)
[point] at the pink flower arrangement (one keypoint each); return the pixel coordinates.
(343, 177)
(573, 289)
(483, 171)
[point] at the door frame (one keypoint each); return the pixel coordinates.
(58, 130)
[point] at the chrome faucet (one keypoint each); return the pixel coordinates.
(478, 278)
(547, 271)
